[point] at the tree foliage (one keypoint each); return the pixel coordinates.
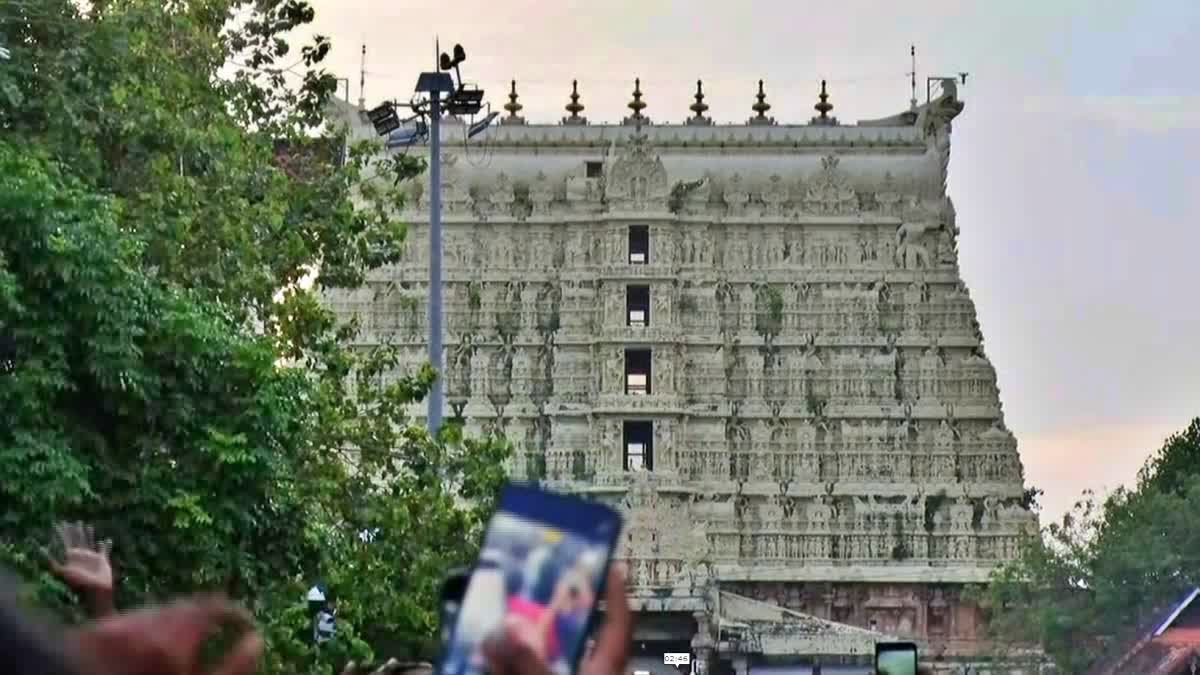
(166, 180)
(1110, 564)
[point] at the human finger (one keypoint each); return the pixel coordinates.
(185, 624)
(89, 538)
(50, 557)
(612, 645)
(387, 667)
(106, 548)
(243, 660)
(62, 530)
(350, 668)
(72, 535)
(216, 609)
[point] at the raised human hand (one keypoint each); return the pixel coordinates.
(85, 566)
(166, 640)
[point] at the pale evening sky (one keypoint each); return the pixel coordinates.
(1074, 167)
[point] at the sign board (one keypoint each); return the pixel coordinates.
(677, 659)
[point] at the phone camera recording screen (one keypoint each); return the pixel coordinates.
(537, 577)
(896, 659)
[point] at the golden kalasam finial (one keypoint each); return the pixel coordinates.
(637, 105)
(513, 107)
(823, 106)
(699, 107)
(575, 107)
(761, 107)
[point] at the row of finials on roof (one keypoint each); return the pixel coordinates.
(698, 108)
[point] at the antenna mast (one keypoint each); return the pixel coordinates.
(913, 74)
(362, 78)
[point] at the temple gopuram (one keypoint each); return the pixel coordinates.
(754, 339)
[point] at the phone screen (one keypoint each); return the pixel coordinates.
(542, 566)
(896, 658)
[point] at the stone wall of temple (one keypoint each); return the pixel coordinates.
(940, 616)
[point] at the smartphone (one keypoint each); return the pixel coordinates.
(542, 567)
(895, 658)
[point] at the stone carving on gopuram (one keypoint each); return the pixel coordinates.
(753, 339)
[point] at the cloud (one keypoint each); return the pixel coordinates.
(1150, 113)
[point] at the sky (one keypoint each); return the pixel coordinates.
(1075, 168)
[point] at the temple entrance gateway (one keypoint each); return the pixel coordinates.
(755, 341)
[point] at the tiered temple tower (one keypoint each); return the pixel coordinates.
(754, 339)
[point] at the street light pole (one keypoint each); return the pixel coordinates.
(460, 100)
(434, 416)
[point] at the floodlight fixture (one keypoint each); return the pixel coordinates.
(480, 126)
(460, 54)
(384, 118)
(465, 102)
(434, 83)
(407, 135)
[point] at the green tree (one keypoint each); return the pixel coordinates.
(1110, 564)
(157, 208)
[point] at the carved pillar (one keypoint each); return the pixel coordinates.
(663, 370)
(661, 312)
(664, 445)
(703, 644)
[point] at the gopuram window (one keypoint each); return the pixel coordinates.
(639, 244)
(638, 439)
(637, 306)
(637, 372)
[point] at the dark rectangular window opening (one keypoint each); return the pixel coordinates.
(639, 244)
(638, 441)
(594, 169)
(637, 372)
(637, 306)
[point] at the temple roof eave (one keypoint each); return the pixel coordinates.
(771, 630)
(895, 131)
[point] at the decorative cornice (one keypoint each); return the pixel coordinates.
(580, 133)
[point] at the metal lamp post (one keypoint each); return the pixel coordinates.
(459, 100)
(435, 84)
